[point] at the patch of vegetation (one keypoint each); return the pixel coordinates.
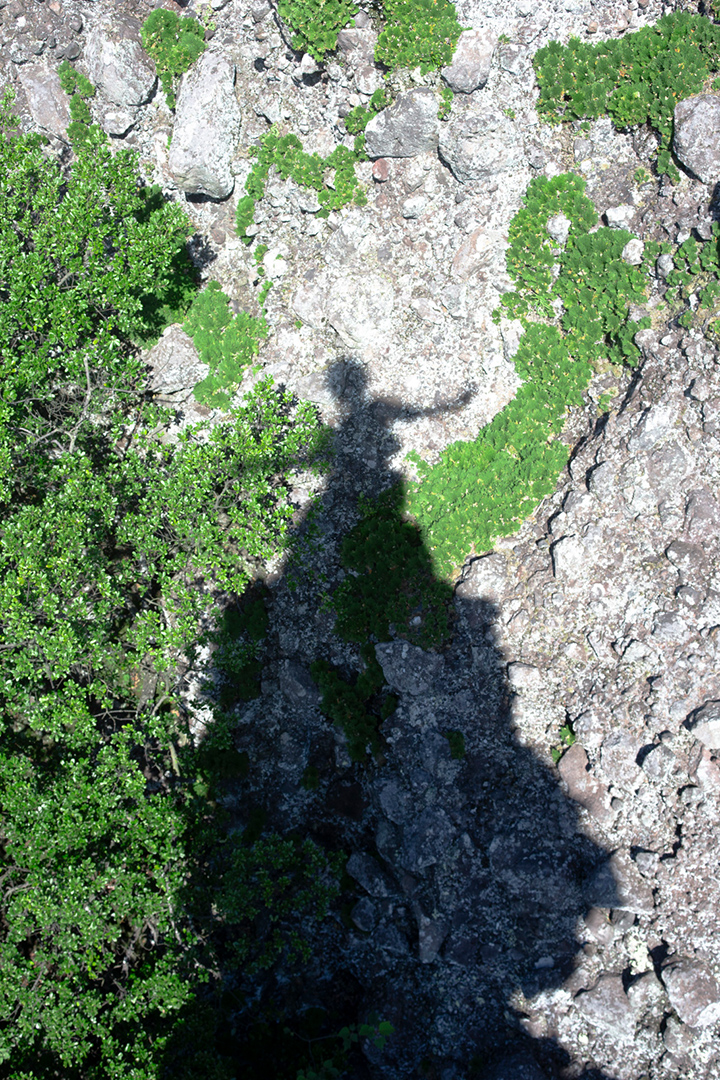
(358, 118)
(482, 490)
(334, 1055)
(693, 286)
(228, 345)
(446, 100)
(636, 79)
(74, 83)
(237, 640)
(174, 44)
(418, 33)
(456, 740)
(567, 738)
(390, 587)
(285, 153)
(358, 707)
(316, 23)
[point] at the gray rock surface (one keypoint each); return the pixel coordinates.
(470, 68)
(693, 990)
(407, 128)
(695, 136)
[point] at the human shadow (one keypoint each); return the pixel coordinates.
(468, 874)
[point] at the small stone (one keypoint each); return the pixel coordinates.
(705, 725)
(583, 787)
(693, 991)
(367, 873)
(645, 992)
(598, 923)
(606, 1005)
(431, 934)
(592, 28)
(558, 228)
(619, 217)
(659, 764)
(633, 252)
(381, 170)
(364, 915)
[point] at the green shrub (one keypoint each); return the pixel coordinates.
(316, 23)
(636, 79)
(456, 740)
(123, 893)
(418, 33)
(174, 44)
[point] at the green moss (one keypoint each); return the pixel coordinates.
(636, 79)
(357, 706)
(285, 153)
(316, 23)
(456, 739)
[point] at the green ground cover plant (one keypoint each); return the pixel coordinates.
(482, 490)
(174, 44)
(389, 590)
(418, 33)
(316, 23)
(636, 79)
(285, 153)
(122, 897)
(228, 345)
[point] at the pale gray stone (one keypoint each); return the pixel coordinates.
(206, 129)
(406, 129)
(367, 873)
(470, 68)
(477, 146)
(606, 1005)
(558, 228)
(696, 137)
(705, 725)
(485, 579)
(47, 102)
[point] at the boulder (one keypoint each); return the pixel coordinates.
(696, 139)
(406, 129)
(408, 668)
(206, 129)
(705, 725)
(470, 68)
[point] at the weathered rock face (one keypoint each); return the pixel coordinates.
(470, 68)
(408, 128)
(207, 126)
(696, 138)
(480, 145)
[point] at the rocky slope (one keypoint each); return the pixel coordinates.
(512, 916)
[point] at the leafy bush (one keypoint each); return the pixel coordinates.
(122, 895)
(482, 490)
(418, 33)
(636, 79)
(316, 23)
(174, 44)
